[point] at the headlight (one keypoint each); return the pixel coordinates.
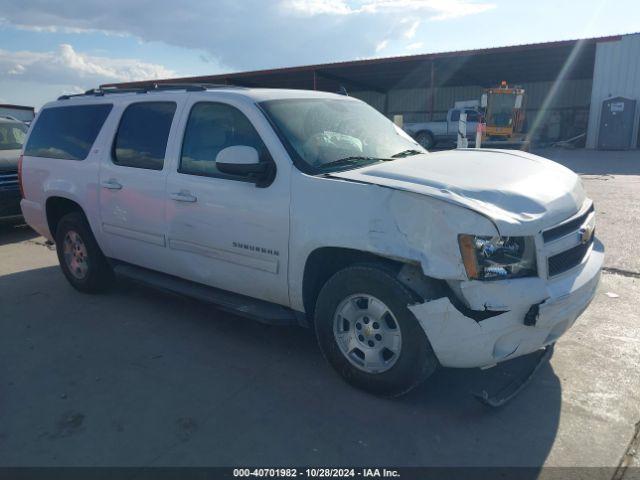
(494, 258)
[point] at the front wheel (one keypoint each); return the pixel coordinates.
(368, 334)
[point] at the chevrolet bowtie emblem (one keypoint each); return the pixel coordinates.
(586, 234)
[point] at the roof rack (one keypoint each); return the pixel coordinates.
(152, 87)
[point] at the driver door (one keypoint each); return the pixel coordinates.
(222, 230)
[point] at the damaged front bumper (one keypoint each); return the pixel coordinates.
(461, 341)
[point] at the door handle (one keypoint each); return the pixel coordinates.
(183, 196)
(111, 184)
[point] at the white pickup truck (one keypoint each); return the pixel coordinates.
(429, 134)
(312, 208)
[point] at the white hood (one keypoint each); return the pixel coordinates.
(522, 193)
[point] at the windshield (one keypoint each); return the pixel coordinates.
(334, 134)
(12, 136)
(500, 112)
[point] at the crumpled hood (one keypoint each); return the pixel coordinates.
(9, 160)
(521, 193)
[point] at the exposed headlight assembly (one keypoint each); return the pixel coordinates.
(495, 258)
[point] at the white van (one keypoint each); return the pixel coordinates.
(303, 207)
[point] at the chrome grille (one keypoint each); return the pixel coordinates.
(567, 227)
(567, 244)
(568, 259)
(8, 181)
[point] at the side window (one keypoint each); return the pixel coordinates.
(455, 115)
(143, 133)
(66, 133)
(211, 128)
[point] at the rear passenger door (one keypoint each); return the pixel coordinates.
(223, 230)
(132, 181)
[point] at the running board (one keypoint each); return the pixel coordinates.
(260, 310)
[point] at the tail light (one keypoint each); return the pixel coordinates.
(20, 176)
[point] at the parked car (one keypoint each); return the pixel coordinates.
(308, 207)
(12, 136)
(19, 112)
(430, 134)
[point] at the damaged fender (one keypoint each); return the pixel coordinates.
(457, 340)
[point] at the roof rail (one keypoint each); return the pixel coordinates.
(152, 87)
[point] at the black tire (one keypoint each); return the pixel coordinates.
(416, 360)
(426, 140)
(98, 275)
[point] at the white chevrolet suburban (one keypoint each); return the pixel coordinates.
(304, 207)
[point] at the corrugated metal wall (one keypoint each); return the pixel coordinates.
(566, 115)
(616, 73)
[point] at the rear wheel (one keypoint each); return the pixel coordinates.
(426, 140)
(368, 334)
(80, 257)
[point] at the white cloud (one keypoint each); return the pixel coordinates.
(65, 66)
(317, 7)
(439, 9)
(250, 34)
(415, 46)
(382, 45)
(411, 31)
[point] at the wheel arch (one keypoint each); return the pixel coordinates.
(324, 262)
(424, 130)
(428, 132)
(57, 207)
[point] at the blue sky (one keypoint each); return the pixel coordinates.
(50, 47)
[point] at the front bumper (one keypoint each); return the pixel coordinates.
(460, 341)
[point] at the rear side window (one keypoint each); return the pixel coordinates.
(455, 115)
(141, 141)
(66, 132)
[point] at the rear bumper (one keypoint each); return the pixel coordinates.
(460, 341)
(36, 218)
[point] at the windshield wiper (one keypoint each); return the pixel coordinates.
(406, 153)
(351, 161)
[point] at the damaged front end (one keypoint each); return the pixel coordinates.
(498, 273)
(478, 324)
(502, 296)
(498, 247)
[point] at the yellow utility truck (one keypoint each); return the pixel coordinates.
(504, 117)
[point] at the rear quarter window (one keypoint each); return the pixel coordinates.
(66, 133)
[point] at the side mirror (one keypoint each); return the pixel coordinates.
(240, 160)
(483, 100)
